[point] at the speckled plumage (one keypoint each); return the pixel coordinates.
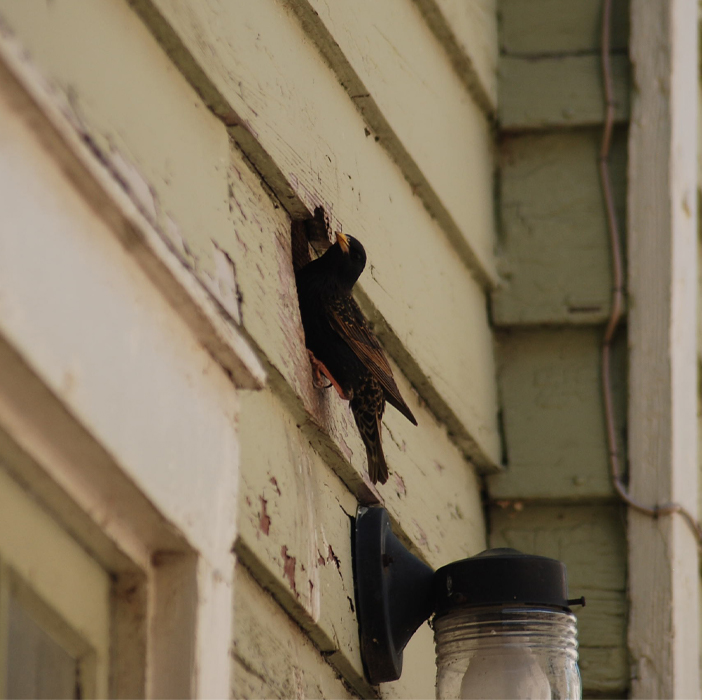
(339, 336)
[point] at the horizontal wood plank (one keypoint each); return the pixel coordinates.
(558, 91)
(180, 176)
(51, 235)
(552, 414)
(401, 79)
(540, 27)
(272, 657)
(591, 541)
(295, 528)
(254, 255)
(299, 119)
(468, 33)
(98, 152)
(555, 252)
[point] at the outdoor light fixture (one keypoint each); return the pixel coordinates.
(502, 621)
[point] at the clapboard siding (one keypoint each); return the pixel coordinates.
(423, 457)
(468, 33)
(541, 27)
(538, 92)
(552, 414)
(591, 541)
(271, 656)
(554, 250)
(248, 252)
(260, 59)
(555, 496)
(170, 151)
(401, 80)
(173, 152)
(295, 528)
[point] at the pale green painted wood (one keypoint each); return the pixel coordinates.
(468, 33)
(555, 253)
(557, 26)
(174, 156)
(396, 71)
(295, 531)
(591, 541)
(304, 120)
(271, 656)
(552, 414)
(558, 91)
(151, 127)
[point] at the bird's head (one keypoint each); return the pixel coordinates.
(348, 258)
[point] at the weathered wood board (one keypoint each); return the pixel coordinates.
(540, 27)
(555, 254)
(591, 541)
(174, 155)
(273, 658)
(422, 458)
(558, 91)
(552, 414)
(295, 527)
(271, 655)
(664, 578)
(302, 116)
(157, 135)
(177, 161)
(468, 33)
(400, 78)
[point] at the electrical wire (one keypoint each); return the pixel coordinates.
(616, 312)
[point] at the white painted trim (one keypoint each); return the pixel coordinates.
(662, 256)
(27, 89)
(118, 392)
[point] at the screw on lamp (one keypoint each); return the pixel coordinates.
(502, 620)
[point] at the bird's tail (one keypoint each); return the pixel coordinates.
(377, 466)
(367, 404)
(369, 426)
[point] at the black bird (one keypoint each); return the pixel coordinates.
(342, 346)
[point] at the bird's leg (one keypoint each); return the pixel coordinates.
(319, 370)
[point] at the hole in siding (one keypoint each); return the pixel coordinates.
(310, 237)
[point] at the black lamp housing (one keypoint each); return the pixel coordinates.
(396, 592)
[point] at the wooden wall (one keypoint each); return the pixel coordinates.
(227, 122)
(555, 497)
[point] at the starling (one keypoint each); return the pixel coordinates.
(342, 346)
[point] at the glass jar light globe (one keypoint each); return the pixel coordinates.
(523, 653)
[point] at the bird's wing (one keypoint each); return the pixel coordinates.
(346, 319)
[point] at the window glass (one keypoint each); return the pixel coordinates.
(54, 605)
(37, 665)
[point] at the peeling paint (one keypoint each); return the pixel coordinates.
(289, 564)
(264, 522)
(334, 558)
(225, 286)
(400, 485)
(274, 481)
(421, 535)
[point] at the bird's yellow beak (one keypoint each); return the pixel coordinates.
(343, 241)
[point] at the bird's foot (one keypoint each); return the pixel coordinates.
(319, 371)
